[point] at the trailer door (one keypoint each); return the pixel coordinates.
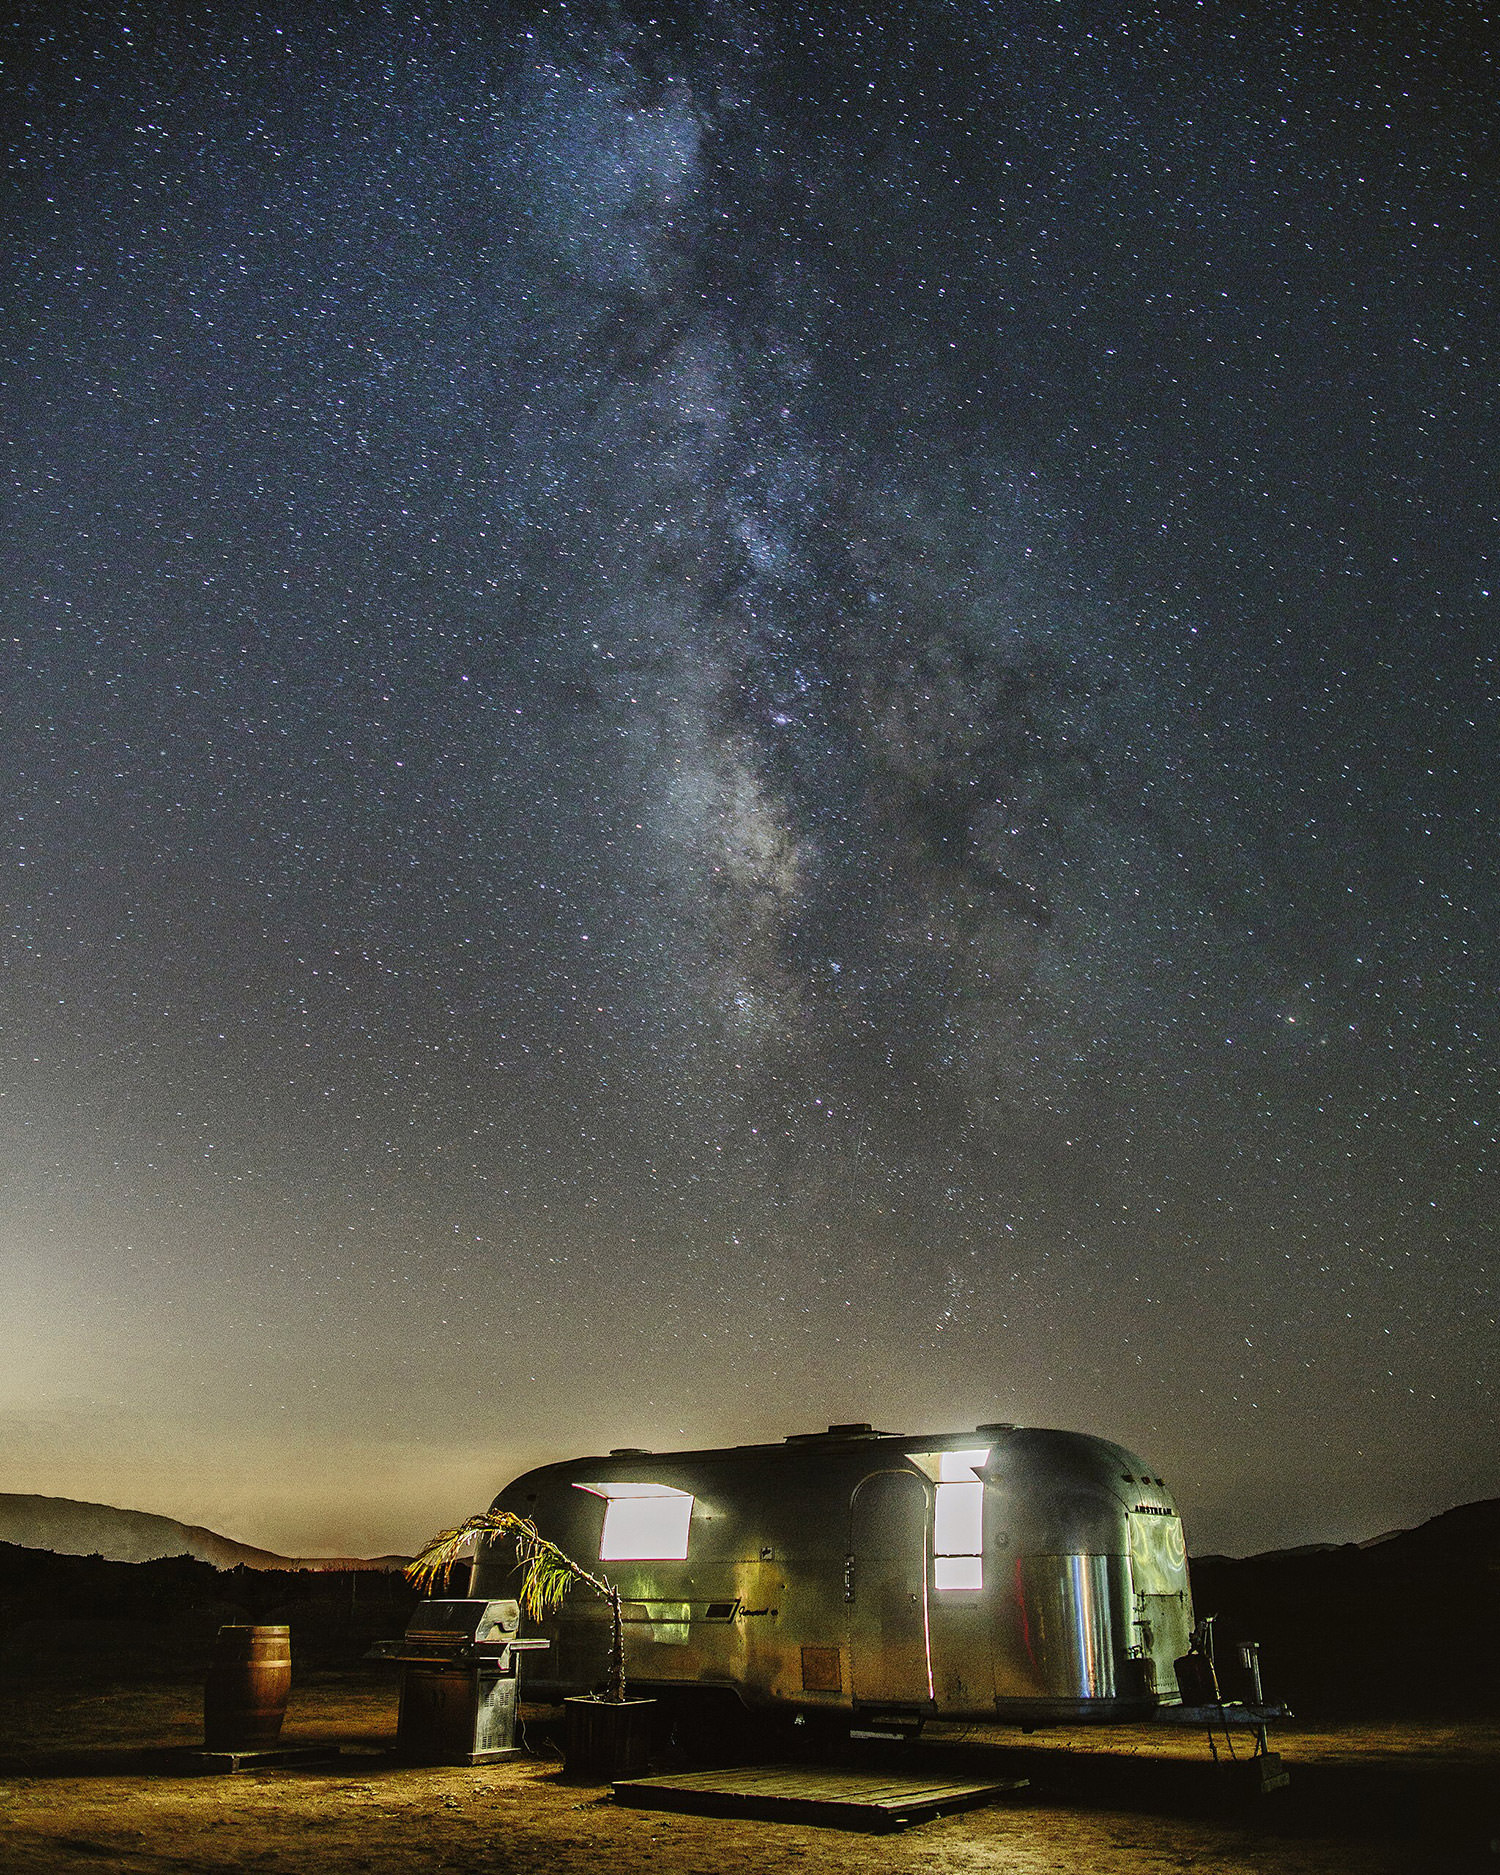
(885, 1588)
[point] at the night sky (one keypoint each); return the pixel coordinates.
(723, 717)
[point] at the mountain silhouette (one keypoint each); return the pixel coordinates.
(70, 1528)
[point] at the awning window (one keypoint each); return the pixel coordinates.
(643, 1522)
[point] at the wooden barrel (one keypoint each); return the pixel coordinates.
(244, 1701)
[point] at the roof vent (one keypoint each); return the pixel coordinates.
(856, 1429)
(629, 1451)
(998, 1425)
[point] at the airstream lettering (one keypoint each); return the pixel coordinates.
(1008, 1572)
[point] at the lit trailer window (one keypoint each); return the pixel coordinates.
(957, 1516)
(642, 1522)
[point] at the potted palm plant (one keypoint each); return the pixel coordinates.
(607, 1736)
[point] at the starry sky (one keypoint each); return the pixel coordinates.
(724, 716)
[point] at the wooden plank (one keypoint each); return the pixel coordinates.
(790, 1793)
(264, 1758)
(795, 1776)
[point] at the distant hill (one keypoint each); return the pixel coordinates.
(69, 1528)
(1403, 1621)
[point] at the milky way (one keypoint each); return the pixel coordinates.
(725, 718)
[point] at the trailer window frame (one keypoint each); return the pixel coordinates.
(958, 1521)
(643, 1521)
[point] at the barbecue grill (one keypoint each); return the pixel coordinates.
(459, 1662)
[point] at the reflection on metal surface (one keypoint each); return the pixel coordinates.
(668, 1621)
(889, 1663)
(1163, 1616)
(1158, 1555)
(1076, 1620)
(1091, 1627)
(1038, 1577)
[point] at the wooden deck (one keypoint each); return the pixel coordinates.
(798, 1793)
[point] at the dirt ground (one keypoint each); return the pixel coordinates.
(88, 1782)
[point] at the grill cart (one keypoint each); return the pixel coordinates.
(459, 1662)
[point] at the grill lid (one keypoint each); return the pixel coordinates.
(458, 1624)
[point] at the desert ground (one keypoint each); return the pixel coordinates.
(90, 1780)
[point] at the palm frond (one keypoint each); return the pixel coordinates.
(439, 1553)
(545, 1582)
(547, 1573)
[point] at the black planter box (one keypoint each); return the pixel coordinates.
(607, 1738)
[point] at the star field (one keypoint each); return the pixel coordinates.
(726, 717)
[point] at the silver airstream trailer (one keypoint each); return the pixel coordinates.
(1008, 1573)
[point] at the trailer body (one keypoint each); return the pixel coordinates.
(1010, 1573)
